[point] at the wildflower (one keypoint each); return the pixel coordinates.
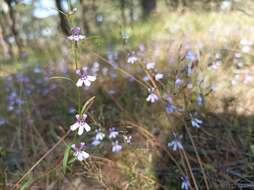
(71, 110)
(178, 82)
(99, 135)
(190, 56)
(127, 139)
(196, 122)
(75, 34)
(96, 142)
(150, 66)
(238, 55)
(200, 99)
(2, 121)
(37, 69)
(170, 108)
(84, 77)
(176, 143)
(132, 58)
(95, 67)
(158, 76)
(152, 97)
(185, 183)
(80, 124)
(116, 147)
(113, 133)
(99, 18)
(79, 153)
(145, 78)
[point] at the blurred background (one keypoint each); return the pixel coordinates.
(202, 48)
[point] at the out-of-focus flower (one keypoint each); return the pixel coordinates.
(145, 78)
(127, 139)
(170, 108)
(79, 153)
(99, 135)
(99, 18)
(195, 122)
(96, 142)
(116, 147)
(80, 124)
(190, 56)
(150, 66)
(71, 110)
(113, 133)
(185, 183)
(200, 99)
(132, 58)
(37, 69)
(226, 5)
(76, 34)
(84, 77)
(152, 97)
(178, 82)
(158, 76)
(95, 67)
(2, 121)
(176, 144)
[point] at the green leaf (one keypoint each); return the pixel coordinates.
(66, 157)
(72, 160)
(64, 78)
(87, 105)
(26, 183)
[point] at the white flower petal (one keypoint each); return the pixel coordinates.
(79, 83)
(87, 83)
(74, 126)
(91, 78)
(80, 130)
(87, 127)
(84, 154)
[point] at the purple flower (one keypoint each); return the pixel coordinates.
(152, 97)
(71, 110)
(113, 133)
(116, 147)
(176, 142)
(2, 121)
(200, 99)
(99, 135)
(96, 142)
(158, 76)
(76, 34)
(80, 124)
(170, 108)
(79, 153)
(195, 122)
(190, 56)
(132, 58)
(150, 66)
(178, 82)
(127, 139)
(185, 183)
(84, 77)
